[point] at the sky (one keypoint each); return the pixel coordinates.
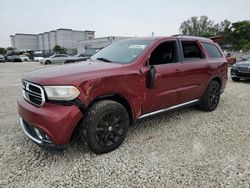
(112, 17)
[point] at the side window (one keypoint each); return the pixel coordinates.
(212, 50)
(191, 51)
(165, 53)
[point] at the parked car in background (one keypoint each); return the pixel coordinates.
(2, 59)
(55, 59)
(83, 57)
(74, 59)
(13, 58)
(38, 59)
(244, 58)
(24, 58)
(241, 70)
(38, 56)
(128, 80)
(231, 59)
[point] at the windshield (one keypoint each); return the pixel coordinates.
(124, 51)
(90, 52)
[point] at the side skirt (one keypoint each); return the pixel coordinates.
(186, 104)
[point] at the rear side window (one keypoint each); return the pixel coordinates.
(212, 50)
(191, 51)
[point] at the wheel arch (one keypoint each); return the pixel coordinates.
(217, 79)
(117, 98)
(47, 62)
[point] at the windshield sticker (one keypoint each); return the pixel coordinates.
(137, 46)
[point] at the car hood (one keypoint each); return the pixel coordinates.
(242, 64)
(72, 74)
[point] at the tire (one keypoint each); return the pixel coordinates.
(235, 79)
(105, 126)
(47, 62)
(211, 98)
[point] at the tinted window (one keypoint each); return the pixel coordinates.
(212, 50)
(191, 50)
(165, 53)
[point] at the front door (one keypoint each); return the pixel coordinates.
(165, 59)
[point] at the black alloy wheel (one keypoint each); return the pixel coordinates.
(211, 97)
(105, 126)
(214, 96)
(109, 129)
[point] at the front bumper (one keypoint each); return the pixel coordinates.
(29, 131)
(237, 74)
(55, 122)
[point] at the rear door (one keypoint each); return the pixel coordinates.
(59, 59)
(55, 59)
(195, 71)
(62, 58)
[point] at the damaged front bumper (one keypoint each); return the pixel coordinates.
(40, 137)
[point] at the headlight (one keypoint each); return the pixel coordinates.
(234, 66)
(61, 93)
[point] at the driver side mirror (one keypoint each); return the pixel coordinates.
(151, 76)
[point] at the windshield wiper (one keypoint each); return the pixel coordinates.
(103, 59)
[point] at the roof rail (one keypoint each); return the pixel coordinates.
(176, 35)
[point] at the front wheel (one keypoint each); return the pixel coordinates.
(211, 98)
(47, 62)
(105, 126)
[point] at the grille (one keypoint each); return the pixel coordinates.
(243, 69)
(33, 93)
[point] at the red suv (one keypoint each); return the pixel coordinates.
(128, 80)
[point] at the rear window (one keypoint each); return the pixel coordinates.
(212, 50)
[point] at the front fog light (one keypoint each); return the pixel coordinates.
(42, 135)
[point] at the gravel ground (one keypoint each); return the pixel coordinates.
(187, 148)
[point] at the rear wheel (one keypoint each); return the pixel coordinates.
(105, 126)
(211, 98)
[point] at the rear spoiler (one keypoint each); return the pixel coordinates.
(217, 38)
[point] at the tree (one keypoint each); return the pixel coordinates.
(9, 48)
(238, 35)
(59, 50)
(197, 26)
(203, 27)
(2, 51)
